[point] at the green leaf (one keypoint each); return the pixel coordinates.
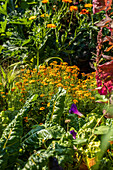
(39, 160)
(69, 51)
(26, 42)
(3, 73)
(101, 130)
(3, 9)
(51, 58)
(33, 139)
(3, 26)
(11, 138)
(56, 107)
(79, 141)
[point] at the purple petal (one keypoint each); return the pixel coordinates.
(74, 110)
(73, 134)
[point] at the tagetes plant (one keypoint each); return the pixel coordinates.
(73, 8)
(46, 81)
(32, 17)
(88, 5)
(45, 1)
(67, 1)
(84, 11)
(51, 26)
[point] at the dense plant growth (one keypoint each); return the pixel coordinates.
(52, 114)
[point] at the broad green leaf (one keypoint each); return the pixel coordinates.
(34, 138)
(39, 160)
(101, 130)
(104, 145)
(79, 141)
(11, 138)
(56, 106)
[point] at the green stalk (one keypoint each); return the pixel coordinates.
(37, 58)
(96, 126)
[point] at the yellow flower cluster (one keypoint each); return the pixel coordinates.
(46, 81)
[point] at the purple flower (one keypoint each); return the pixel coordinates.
(73, 109)
(73, 134)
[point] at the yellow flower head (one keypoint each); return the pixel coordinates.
(42, 95)
(32, 81)
(73, 8)
(75, 101)
(42, 108)
(44, 15)
(88, 5)
(32, 17)
(48, 104)
(51, 26)
(45, 1)
(67, 1)
(2, 92)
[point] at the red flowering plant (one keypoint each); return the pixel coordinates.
(104, 71)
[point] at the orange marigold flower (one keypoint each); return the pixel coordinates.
(48, 104)
(17, 83)
(32, 17)
(0, 84)
(88, 5)
(111, 142)
(84, 11)
(73, 8)
(75, 101)
(32, 81)
(2, 92)
(3, 96)
(44, 15)
(26, 119)
(41, 124)
(42, 95)
(67, 1)
(45, 1)
(42, 108)
(51, 26)
(13, 89)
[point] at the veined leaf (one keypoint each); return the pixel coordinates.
(79, 141)
(11, 137)
(101, 130)
(34, 138)
(39, 160)
(56, 106)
